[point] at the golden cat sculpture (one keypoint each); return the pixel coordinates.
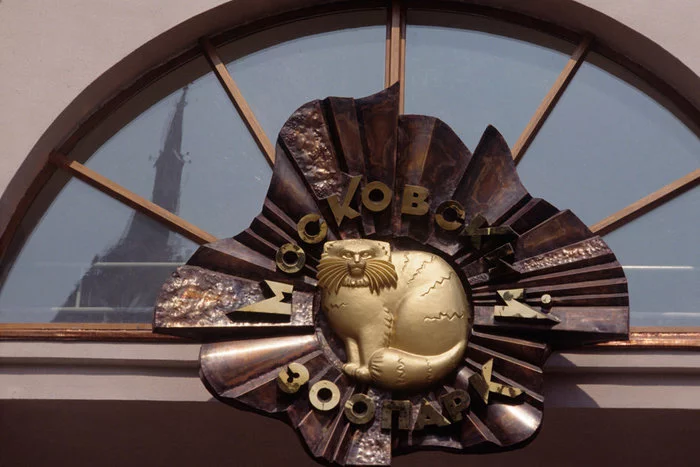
(403, 317)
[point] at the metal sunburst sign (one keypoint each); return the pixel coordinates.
(397, 291)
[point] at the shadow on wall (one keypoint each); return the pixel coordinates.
(109, 433)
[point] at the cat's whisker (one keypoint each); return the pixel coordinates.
(386, 266)
(373, 280)
(333, 276)
(382, 276)
(338, 281)
(326, 263)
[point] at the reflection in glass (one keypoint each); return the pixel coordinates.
(187, 149)
(182, 144)
(471, 72)
(88, 259)
(660, 256)
(607, 144)
(284, 67)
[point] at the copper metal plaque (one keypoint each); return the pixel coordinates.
(397, 291)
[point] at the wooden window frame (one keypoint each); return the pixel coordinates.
(640, 337)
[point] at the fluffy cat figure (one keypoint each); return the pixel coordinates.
(404, 317)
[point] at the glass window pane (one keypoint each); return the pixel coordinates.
(660, 256)
(607, 144)
(88, 258)
(282, 68)
(471, 72)
(189, 152)
(609, 141)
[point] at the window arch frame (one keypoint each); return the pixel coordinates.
(658, 337)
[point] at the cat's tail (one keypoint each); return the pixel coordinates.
(396, 369)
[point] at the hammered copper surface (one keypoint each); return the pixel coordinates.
(490, 187)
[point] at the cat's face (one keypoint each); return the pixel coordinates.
(357, 253)
(356, 263)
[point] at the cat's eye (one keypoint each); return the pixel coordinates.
(347, 255)
(366, 254)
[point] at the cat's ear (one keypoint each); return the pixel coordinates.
(327, 246)
(385, 247)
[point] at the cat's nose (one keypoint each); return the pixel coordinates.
(356, 258)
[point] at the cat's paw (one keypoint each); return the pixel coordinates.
(362, 375)
(350, 368)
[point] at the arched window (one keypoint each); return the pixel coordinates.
(183, 159)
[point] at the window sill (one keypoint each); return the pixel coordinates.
(640, 337)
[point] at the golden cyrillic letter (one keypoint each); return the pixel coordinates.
(414, 201)
(455, 402)
(344, 210)
(324, 395)
(450, 215)
(312, 228)
(404, 410)
(292, 377)
(428, 415)
(275, 304)
(359, 409)
(376, 196)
